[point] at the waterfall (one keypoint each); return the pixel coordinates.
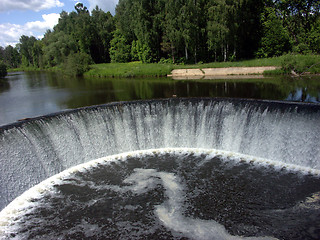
(33, 150)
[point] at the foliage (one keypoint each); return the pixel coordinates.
(314, 37)
(11, 57)
(3, 69)
(275, 40)
(184, 31)
(300, 63)
(77, 64)
(141, 52)
(25, 48)
(119, 48)
(165, 61)
(57, 47)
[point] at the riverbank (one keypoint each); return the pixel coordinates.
(286, 64)
(283, 65)
(138, 69)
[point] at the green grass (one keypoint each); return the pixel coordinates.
(298, 63)
(32, 69)
(134, 69)
(21, 69)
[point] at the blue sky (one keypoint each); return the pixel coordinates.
(34, 17)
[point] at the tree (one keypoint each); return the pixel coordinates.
(3, 69)
(119, 48)
(104, 26)
(57, 47)
(141, 52)
(25, 48)
(218, 29)
(249, 30)
(77, 64)
(188, 21)
(11, 57)
(299, 17)
(37, 54)
(314, 37)
(275, 40)
(172, 39)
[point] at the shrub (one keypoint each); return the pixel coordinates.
(77, 64)
(300, 63)
(3, 70)
(165, 61)
(141, 52)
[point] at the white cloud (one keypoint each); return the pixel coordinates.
(105, 5)
(11, 33)
(40, 26)
(35, 5)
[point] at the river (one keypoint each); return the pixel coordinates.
(31, 94)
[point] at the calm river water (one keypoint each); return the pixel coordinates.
(31, 94)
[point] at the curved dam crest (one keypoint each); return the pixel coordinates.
(33, 150)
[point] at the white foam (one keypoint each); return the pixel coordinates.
(143, 180)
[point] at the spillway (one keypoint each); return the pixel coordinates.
(33, 150)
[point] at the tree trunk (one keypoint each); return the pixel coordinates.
(172, 52)
(186, 51)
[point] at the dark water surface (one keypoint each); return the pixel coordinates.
(175, 196)
(30, 94)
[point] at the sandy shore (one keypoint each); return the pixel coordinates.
(210, 72)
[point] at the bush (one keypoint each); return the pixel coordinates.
(77, 64)
(165, 61)
(301, 63)
(3, 70)
(141, 52)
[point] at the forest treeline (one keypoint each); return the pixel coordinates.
(173, 31)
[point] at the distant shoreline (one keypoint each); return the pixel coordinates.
(294, 65)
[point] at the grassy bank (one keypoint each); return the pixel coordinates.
(288, 63)
(34, 69)
(133, 69)
(136, 69)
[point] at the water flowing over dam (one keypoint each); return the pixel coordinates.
(287, 134)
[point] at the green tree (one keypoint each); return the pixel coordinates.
(25, 48)
(218, 29)
(11, 57)
(37, 54)
(104, 26)
(57, 47)
(299, 17)
(77, 64)
(119, 48)
(141, 52)
(188, 21)
(172, 39)
(275, 40)
(3, 69)
(1, 53)
(314, 37)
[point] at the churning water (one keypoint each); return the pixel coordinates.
(262, 181)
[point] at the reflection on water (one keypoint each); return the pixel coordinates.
(302, 95)
(30, 94)
(4, 85)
